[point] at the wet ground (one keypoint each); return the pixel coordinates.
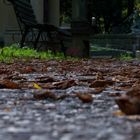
(24, 118)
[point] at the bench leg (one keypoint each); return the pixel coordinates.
(37, 39)
(63, 48)
(86, 49)
(24, 37)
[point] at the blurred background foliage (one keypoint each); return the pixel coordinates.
(112, 16)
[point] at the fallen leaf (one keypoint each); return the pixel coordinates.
(99, 76)
(101, 83)
(44, 95)
(36, 86)
(9, 84)
(134, 92)
(99, 90)
(118, 113)
(48, 86)
(114, 94)
(44, 79)
(85, 97)
(48, 94)
(128, 105)
(17, 78)
(29, 69)
(136, 75)
(7, 110)
(64, 84)
(61, 97)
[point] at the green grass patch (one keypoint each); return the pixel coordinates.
(99, 48)
(10, 53)
(125, 57)
(116, 53)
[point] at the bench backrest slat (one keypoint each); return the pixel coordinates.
(24, 12)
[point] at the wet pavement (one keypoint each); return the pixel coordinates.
(23, 118)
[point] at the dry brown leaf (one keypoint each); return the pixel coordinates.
(17, 78)
(130, 102)
(61, 97)
(85, 97)
(48, 94)
(7, 110)
(101, 83)
(44, 79)
(44, 95)
(134, 92)
(29, 69)
(99, 90)
(99, 76)
(114, 94)
(121, 88)
(136, 75)
(47, 86)
(64, 84)
(128, 105)
(9, 84)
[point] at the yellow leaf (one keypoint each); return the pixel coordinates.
(37, 86)
(118, 113)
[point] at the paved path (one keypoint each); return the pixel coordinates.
(23, 118)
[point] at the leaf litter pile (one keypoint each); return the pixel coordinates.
(81, 79)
